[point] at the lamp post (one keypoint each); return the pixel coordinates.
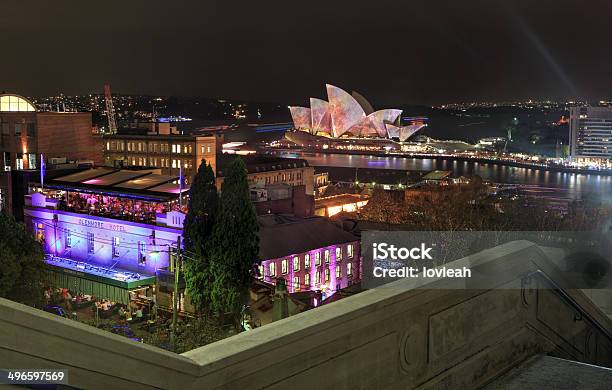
(176, 267)
(177, 270)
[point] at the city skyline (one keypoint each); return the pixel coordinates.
(491, 51)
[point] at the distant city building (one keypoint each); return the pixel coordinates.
(169, 152)
(351, 115)
(26, 133)
(313, 254)
(591, 135)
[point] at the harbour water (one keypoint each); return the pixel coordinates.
(561, 185)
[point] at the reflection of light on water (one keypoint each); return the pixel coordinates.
(568, 182)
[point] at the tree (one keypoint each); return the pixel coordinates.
(234, 244)
(21, 263)
(383, 206)
(198, 226)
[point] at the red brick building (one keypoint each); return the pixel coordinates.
(26, 133)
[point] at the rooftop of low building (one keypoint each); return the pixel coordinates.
(281, 235)
(260, 163)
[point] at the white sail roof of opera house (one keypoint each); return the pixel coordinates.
(346, 114)
(321, 119)
(15, 103)
(345, 111)
(301, 117)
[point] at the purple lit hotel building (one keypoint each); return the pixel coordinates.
(107, 231)
(111, 233)
(309, 253)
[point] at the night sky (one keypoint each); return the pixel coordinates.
(392, 51)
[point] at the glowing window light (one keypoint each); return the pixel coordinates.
(14, 103)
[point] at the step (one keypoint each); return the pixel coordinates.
(546, 372)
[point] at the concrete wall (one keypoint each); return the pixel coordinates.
(387, 338)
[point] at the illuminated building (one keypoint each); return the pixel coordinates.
(26, 133)
(263, 171)
(332, 205)
(167, 152)
(346, 115)
(591, 135)
(106, 231)
(313, 254)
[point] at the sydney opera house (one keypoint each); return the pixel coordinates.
(346, 115)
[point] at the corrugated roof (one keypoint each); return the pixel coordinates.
(145, 182)
(168, 188)
(115, 177)
(86, 175)
(120, 182)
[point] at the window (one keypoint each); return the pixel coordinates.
(349, 269)
(318, 259)
(326, 275)
(19, 161)
(17, 129)
(327, 255)
(68, 239)
(296, 263)
(307, 280)
(296, 283)
(272, 269)
(338, 272)
(31, 129)
(317, 278)
(338, 253)
(260, 272)
(142, 253)
(39, 231)
(284, 266)
(307, 261)
(115, 246)
(31, 161)
(90, 243)
(349, 251)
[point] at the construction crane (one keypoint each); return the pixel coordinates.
(110, 110)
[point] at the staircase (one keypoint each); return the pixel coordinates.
(546, 372)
